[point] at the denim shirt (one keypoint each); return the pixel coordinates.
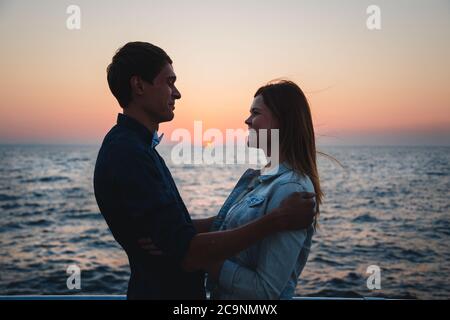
(269, 269)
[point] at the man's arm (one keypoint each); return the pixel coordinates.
(207, 249)
(203, 225)
(155, 221)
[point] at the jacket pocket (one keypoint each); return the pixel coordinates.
(255, 200)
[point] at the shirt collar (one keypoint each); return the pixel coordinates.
(155, 139)
(147, 135)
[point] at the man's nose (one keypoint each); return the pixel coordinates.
(176, 93)
(248, 122)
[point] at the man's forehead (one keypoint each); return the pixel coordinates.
(168, 71)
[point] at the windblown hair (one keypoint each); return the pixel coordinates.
(290, 107)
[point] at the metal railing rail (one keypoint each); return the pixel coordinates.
(123, 297)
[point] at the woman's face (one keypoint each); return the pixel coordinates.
(260, 118)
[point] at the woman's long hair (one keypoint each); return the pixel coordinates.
(289, 105)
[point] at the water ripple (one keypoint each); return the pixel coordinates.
(388, 207)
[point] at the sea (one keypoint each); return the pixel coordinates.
(384, 223)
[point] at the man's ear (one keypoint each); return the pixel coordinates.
(136, 85)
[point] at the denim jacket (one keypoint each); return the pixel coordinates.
(269, 269)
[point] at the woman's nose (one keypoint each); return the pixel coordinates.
(248, 121)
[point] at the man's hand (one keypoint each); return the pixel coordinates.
(297, 211)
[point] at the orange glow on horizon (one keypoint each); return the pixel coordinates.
(53, 81)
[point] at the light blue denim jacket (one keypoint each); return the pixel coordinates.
(269, 269)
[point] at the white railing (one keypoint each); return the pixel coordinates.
(123, 297)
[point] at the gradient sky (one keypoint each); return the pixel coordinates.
(389, 86)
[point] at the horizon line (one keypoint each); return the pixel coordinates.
(85, 144)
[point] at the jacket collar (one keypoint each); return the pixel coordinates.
(274, 172)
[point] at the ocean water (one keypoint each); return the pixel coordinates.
(387, 206)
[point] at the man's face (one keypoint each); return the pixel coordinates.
(158, 99)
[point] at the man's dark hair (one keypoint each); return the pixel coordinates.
(134, 59)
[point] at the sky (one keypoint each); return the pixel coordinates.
(384, 87)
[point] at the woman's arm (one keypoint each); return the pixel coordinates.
(295, 212)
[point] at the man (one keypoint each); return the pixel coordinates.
(168, 252)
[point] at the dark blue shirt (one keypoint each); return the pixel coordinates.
(138, 198)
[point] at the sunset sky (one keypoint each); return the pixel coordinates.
(388, 86)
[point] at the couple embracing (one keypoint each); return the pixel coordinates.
(258, 243)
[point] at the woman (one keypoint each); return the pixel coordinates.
(270, 269)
